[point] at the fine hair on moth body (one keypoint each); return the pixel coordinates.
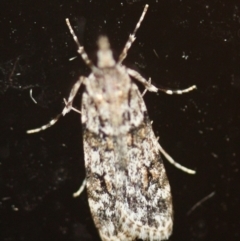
(128, 190)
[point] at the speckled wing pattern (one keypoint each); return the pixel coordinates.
(128, 190)
(129, 193)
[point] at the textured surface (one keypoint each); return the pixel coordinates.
(179, 44)
(129, 194)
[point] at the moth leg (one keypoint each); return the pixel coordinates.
(152, 88)
(80, 190)
(68, 104)
(44, 127)
(176, 164)
(178, 92)
(132, 37)
(66, 109)
(73, 108)
(147, 84)
(145, 91)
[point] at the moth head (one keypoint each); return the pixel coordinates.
(104, 54)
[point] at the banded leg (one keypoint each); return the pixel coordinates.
(66, 109)
(141, 79)
(44, 127)
(178, 92)
(132, 37)
(145, 91)
(152, 88)
(176, 164)
(68, 104)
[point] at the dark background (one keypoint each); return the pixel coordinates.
(180, 43)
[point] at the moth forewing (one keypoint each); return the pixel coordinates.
(134, 201)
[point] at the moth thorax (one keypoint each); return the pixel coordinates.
(104, 54)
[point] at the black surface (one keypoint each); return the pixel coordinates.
(40, 172)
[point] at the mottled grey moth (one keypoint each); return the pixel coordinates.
(128, 190)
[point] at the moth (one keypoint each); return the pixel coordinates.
(128, 190)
